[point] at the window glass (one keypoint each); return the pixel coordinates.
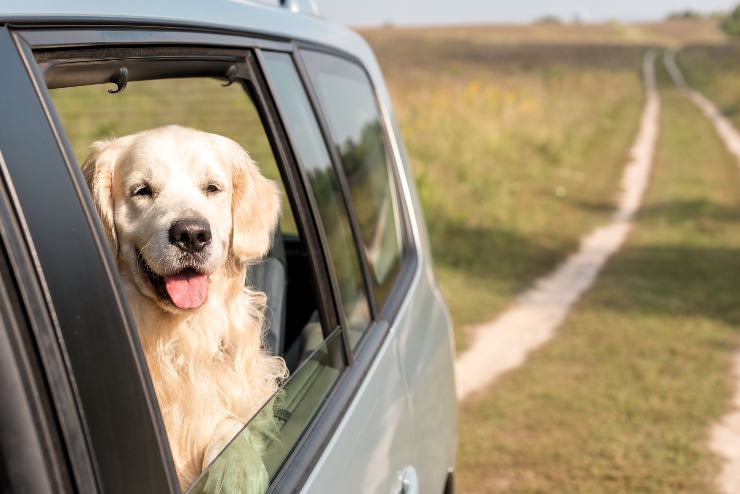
(275, 430)
(314, 157)
(347, 99)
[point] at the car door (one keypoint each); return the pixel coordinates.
(31, 456)
(352, 429)
(320, 365)
(372, 446)
(363, 144)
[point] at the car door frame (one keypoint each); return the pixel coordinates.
(68, 249)
(32, 458)
(306, 453)
(379, 331)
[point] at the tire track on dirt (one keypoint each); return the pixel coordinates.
(504, 343)
(725, 434)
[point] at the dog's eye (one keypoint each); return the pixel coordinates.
(142, 190)
(212, 188)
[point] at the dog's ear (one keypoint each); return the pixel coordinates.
(255, 205)
(98, 170)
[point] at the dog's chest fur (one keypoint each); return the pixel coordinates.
(206, 370)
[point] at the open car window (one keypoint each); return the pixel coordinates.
(295, 327)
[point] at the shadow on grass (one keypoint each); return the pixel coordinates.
(481, 269)
(674, 211)
(674, 280)
(731, 110)
(691, 210)
(592, 206)
(485, 253)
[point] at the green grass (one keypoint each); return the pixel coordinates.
(517, 151)
(714, 71)
(89, 113)
(622, 399)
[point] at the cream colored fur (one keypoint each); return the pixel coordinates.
(208, 367)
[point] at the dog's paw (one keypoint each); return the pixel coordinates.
(238, 470)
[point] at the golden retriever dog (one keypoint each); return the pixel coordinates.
(185, 213)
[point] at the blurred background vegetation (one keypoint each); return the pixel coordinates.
(518, 135)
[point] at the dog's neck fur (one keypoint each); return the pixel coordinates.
(208, 367)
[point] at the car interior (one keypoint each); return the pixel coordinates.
(282, 275)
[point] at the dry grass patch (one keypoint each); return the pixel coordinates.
(676, 31)
(623, 399)
(517, 152)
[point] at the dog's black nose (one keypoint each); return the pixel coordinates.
(190, 235)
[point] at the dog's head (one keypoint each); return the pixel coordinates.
(178, 206)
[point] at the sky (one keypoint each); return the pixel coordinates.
(420, 12)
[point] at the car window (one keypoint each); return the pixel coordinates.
(314, 361)
(314, 157)
(347, 99)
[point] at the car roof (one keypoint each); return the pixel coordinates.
(229, 15)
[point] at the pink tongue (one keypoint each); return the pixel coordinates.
(187, 290)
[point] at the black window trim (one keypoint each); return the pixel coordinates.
(341, 178)
(297, 187)
(58, 33)
(67, 34)
(34, 293)
(275, 103)
(410, 265)
(253, 84)
(306, 453)
(308, 450)
(407, 261)
(33, 373)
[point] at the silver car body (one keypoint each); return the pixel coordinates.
(401, 424)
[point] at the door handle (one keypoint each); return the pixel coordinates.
(407, 483)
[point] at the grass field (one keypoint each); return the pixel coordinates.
(714, 70)
(517, 137)
(622, 399)
(517, 145)
(517, 151)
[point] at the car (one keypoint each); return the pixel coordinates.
(353, 306)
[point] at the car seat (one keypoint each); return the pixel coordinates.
(270, 277)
